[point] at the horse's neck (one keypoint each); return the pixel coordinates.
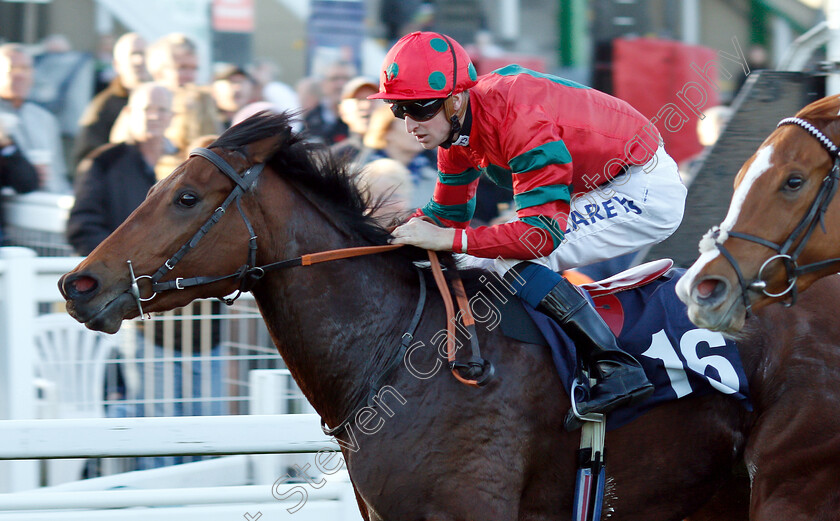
(335, 324)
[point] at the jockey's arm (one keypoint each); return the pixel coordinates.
(542, 173)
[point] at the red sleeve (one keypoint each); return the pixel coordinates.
(453, 201)
(541, 167)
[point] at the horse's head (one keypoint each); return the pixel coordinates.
(160, 248)
(766, 248)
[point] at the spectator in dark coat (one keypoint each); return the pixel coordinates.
(322, 122)
(113, 180)
(95, 125)
(15, 171)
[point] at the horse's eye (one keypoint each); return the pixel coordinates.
(793, 183)
(187, 199)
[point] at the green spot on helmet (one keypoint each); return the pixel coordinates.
(437, 80)
(392, 70)
(439, 44)
(433, 66)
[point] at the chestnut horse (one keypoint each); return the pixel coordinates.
(433, 448)
(782, 231)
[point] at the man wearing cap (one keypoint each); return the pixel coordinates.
(590, 177)
(354, 109)
(232, 89)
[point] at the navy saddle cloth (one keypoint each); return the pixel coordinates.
(652, 324)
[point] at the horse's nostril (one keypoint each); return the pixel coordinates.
(710, 291)
(84, 284)
(77, 286)
(706, 288)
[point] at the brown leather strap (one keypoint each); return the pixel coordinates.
(345, 253)
(460, 293)
(463, 304)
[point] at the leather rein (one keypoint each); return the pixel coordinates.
(475, 372)
(786, 253)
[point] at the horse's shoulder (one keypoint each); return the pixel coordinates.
(822, 300)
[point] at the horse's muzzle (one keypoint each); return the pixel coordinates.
(711, 304)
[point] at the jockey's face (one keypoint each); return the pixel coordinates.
(429, 133)
(433, 132)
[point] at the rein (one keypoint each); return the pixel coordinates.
(475, 372)
(785, 252)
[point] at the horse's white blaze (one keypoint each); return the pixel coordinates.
(760, 165)
(708, 250)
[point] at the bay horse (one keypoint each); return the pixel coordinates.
(441, 450)
(782, 230)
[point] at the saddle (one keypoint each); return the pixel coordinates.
(517, 323)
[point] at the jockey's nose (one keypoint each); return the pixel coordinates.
(78, 286)
(710, 291)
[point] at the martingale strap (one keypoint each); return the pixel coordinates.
(476, 372)
(377, 383)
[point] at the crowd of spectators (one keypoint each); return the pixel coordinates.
(63, 113)
(331, 107)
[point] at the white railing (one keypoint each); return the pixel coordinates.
(326, 496)
(265, 442)
(208, 435)
(37, 220)
(28, 289)
(133, 437)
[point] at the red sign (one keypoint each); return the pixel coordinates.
(670, 83)
(235, 16)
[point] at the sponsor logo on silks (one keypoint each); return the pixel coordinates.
(592, 213)
(462, 141)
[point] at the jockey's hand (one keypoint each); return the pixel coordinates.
(423, 234)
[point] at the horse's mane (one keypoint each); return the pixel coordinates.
(825, 108)
(313, 169)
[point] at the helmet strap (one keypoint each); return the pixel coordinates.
(454, 117)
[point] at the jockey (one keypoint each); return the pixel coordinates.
(590, 180)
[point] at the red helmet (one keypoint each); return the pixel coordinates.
(424, 65)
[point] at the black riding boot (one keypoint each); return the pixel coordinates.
(621, 381)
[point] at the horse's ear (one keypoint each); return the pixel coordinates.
(260, 151)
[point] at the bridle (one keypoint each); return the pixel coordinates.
(248, 274)
(786, 252)
(475, 372)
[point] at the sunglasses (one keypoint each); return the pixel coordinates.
(419, 110)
